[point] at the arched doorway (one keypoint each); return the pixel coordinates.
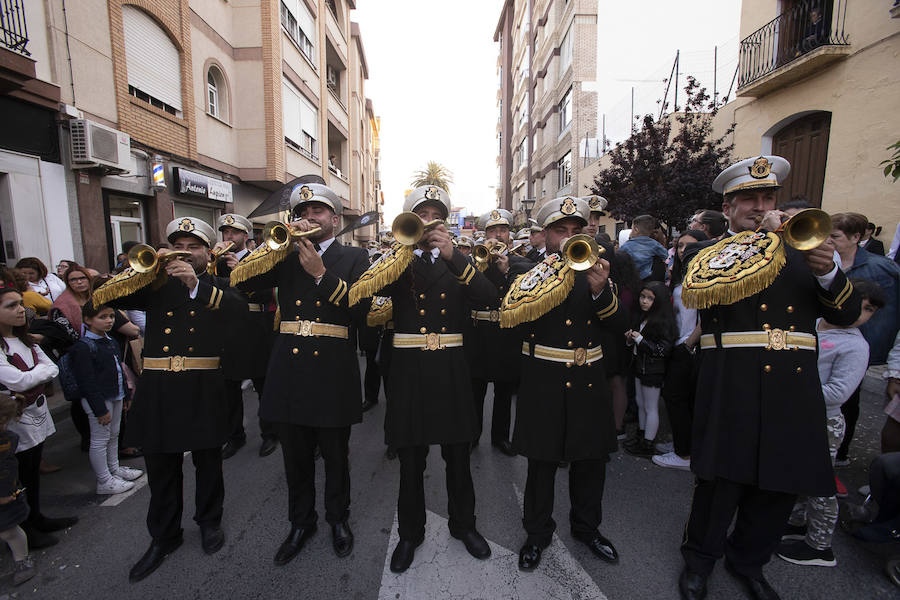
(804, 143)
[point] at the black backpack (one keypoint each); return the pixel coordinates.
(67, 380)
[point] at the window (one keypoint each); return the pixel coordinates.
(565, 52)
(216, 93)
(520, 154)
(300, 120)
(523, 113)
(126, 220)
(213, 91)
(152, 62)
(565, 112)
(564, 167)
(300, 26)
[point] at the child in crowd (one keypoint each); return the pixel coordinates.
(651, 337)
(13, 506)
(98, 372)
(843, 359)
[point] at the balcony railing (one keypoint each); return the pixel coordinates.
(803, 27)
(13, 32)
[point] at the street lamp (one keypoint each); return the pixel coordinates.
(527, 205)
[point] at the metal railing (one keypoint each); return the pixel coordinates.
(13, 32)
(800, 29)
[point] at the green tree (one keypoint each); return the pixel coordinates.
(892, 165)
(434, 173)
(666, 175)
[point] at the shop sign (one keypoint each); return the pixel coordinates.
(191, 183)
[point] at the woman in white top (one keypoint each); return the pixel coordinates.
(39, 280)
(24, 371)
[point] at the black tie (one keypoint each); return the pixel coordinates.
(317, 247)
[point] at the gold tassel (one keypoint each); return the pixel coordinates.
(262, 260)
(124, 284)
(520, 307)
(383, 272)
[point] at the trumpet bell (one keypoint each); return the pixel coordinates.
(276, 235)
(581, 252)
(488, 250)
(408, 228)
(807, 229)
(142, 258)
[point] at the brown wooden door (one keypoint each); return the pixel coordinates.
(804, 143)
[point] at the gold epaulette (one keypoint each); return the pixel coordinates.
(537, 292)
(383, 272)
(262, 260)
(124, 284)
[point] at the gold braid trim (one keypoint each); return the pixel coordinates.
(537, 292)
(383, 272)
(124, 284)
(381, 312)
(733, 269)
(262, 260)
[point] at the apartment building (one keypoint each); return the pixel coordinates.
(169, 108)
(548, 51)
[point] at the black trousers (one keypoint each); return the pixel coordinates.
(460, 490)
(372, 379)
(30, 478)
(503, 393)
(587, 479)
(850, 410)
(166, 481)
(761, 519)
(235, 399)
(298, 444)
(678, 392)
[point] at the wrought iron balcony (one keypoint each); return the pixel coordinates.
(808, 32)
(13, 32)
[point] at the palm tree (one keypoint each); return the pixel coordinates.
(434, 173)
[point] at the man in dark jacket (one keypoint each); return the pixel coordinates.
(178, 402)
(564, 408)
(759, 435)
(312, 389)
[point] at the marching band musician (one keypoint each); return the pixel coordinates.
(495, 354)
(312, 391)
(538, 242)
(564, 407)
(249, 341)
(430, 399)
(759, 435)
(178, 402)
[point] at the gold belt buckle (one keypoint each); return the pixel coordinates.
(777, 339)
(176, 364)
(494, 316)
(580, 356)
(433, 341)
(304, 328)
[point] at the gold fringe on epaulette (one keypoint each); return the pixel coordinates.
(262, 260)
(380, 314)
(550, 294)
(124, 284)
(383, 272)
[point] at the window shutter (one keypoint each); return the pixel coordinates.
(152, 59)
(291, 113)
(306, 22)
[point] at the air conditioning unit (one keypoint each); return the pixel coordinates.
(95, 145)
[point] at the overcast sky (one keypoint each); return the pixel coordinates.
(433, 78)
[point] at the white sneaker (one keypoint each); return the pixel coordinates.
(114, 486)
(127, 473)
(665, 447)
(672, 461)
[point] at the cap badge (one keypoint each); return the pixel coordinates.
(595, 203)
(567, 207)
(228, 220)
(306, 194)
(760, 168)
(432, 193)
(495, 215)
(186, 225)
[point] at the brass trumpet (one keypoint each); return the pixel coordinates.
(520, 249)
(278, 235)
(488, 251)
(581, 252)
(216, 255)
(408, 228)
(806, 230)
(144, 259)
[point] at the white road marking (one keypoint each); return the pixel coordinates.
(117, 499)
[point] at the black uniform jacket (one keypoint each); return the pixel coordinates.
(179, 411)
(495, 354)
(564, 411)
(248, 342)
(430, 396)
(759, 416)
(314, 380)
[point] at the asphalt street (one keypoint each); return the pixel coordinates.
(645, 508)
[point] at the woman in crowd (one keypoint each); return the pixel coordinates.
(77, 293)
(48, 285)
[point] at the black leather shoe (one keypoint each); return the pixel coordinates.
(212, 538)
(475, 544)
(529, 557)
(757, 588)
(152, 558)
(691, 585)
(231, 447)
(50, 524)
(38, 539)
(600, 546)
(504, 446)
(403, 555)
(268, 446)
(341, 539)
(368, 405)
(293, 543)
